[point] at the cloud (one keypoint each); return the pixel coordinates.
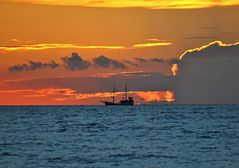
(56, 95)
(158, 60)
(75, 62)
(105, 62)
(211, 47)
(129, 74)
(138, 81)
(152, 42)
(173, 61)
(31, 47)
(209, 74)
(156, 96)
(131, 63)
(26, 46)
(32, 66)
(174, 69)
(141, 60)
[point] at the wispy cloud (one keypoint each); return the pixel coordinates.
(152, 44)
(26, 46)
(126, 74)
(130, 63)
(158, 60)
(56, 46)
(15, 40)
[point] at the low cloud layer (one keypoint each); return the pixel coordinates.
(32, 66)
(73, 63)
(138, 81)
(54, 96)
(105, 62)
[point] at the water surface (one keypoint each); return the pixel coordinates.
(166, 136)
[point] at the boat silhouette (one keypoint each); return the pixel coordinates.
(125, 101)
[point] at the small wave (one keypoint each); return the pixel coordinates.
(205, 136)
(121, 155)
(7, 154)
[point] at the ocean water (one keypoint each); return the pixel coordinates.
(165, 136)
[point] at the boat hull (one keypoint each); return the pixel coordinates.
(118, 104)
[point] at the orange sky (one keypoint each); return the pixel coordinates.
(123, 31)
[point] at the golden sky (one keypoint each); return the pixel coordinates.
(38, 38)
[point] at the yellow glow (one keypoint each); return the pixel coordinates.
(155, 4)
(123, 74)
(56, 46)
(67, 94)
(29, 47)
(220, 43)
(153, 44)
(150, 96)
(174, 69)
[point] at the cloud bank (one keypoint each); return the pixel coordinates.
(72, 63)
(209, 74)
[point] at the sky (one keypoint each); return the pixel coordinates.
(58, 52)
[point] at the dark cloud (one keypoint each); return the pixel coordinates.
(131, 63)
(158, 60)
(141, 60)
(209, 74)
(138, 81)
(32, 66)
(105, 62)
(173, 61)
(75, 62)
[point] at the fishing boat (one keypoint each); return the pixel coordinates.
(125, 101)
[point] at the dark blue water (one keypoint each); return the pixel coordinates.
(134, 137)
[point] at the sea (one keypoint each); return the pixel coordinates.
(158, 136)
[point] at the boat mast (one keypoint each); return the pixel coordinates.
(126, 90)
(113, 94)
